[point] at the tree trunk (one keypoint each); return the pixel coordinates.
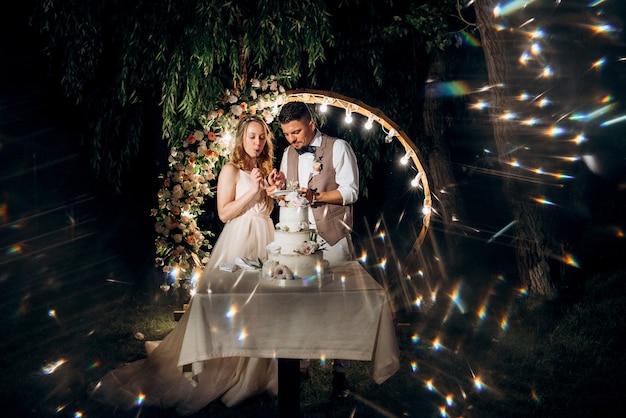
(451, 207)
(532, 227)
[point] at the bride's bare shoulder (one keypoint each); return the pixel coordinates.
(229, 169)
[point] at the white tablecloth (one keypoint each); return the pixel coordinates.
(239, 315)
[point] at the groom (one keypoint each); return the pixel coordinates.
(326, 170)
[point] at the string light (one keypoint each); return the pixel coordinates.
(324, 99)
(416, 180)
(348, 118)
(390, 135)
(324, 106)
(427, 208)
(405, 159)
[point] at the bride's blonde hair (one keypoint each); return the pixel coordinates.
(238, 154)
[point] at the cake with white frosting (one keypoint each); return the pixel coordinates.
(294, 255)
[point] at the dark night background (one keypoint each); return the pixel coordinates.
(64, 231)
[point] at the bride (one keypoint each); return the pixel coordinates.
(243, 203)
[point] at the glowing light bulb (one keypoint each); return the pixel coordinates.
(369, 123)
(348, 118)
(416, 180)
(405, 159)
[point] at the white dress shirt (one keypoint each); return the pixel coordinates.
(344, 163)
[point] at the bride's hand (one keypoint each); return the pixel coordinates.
(257, 178)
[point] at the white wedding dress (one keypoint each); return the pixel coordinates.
(159, 380)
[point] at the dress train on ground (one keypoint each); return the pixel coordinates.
(158, 380)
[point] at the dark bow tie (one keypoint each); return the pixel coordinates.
(308, 148)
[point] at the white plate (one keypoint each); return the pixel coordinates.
(278, 193)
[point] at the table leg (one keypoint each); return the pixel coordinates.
(288, 388)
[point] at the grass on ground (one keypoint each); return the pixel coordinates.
(559, 358)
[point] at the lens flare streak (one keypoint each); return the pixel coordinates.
(502, 231)
(613, 121)
(52, 367)
(510, 7)
(543, 201)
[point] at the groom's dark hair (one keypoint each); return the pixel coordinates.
(294, 111)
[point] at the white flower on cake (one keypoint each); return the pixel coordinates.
(292, 226)
(278, 271)
(273, 248)
(293, 199)
(308, 248)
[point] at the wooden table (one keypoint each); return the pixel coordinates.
(343, 315)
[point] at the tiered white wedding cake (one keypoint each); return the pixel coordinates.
(295, 254)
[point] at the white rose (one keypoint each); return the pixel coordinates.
(273, 248)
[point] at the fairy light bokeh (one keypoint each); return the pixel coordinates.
(561, 135)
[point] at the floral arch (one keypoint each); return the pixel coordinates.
(182, 246)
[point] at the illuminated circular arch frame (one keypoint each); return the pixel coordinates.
(326, 98)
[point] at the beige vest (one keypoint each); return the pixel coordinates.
(333, 221)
